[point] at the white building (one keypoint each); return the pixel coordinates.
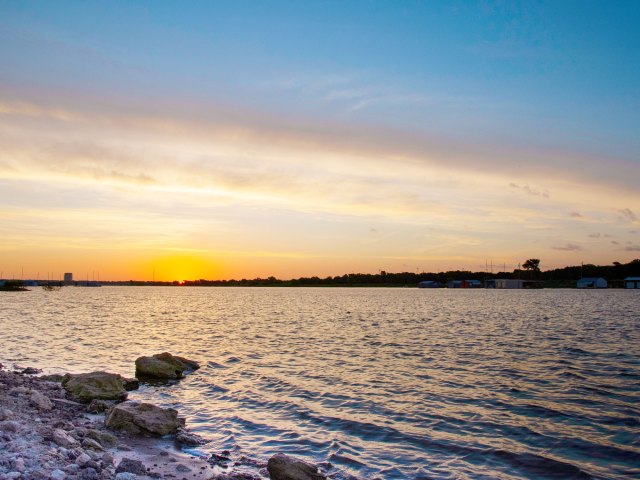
(592, 282)
(632, 282)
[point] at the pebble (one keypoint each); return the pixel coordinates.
(91, 444)
(63, 439)
(19, 464)
(126, 476)
(41, 401)
(83, 459)
(58, 474)
(5, 413)
(10, 426)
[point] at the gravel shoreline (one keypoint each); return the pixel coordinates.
(46, 434)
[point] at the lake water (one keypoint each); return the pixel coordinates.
(373, 383)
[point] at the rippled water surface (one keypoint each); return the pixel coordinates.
(378, 383)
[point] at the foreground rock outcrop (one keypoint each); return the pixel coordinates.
(284, 467)
(164, 366)
(136, 417)
(45, 434)
(97, 386)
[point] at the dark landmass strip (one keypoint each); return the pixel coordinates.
(557, 278)
(565, 277)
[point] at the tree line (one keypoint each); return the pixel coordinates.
(566, 276)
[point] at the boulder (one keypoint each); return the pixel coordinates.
(164, 365)
(284, 467)
(135, 417)
(95, 385)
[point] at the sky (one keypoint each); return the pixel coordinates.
(235, 139)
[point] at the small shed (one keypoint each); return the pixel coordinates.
(592, 282)
(509, 283)
(632, 282)
(464, 284)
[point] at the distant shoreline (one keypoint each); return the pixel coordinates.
(557, 278)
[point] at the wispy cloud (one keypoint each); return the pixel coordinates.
(530, 191)
(627, 214)
(569, 247)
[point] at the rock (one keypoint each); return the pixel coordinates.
(54, 377)
(130, 383)
(105, 439)
(41, 401)
(10, 426)
(135, 417)
(95, 385)
(132, 466)
(107, 458)
(189, 439)
(16, 391)
(5, 414)
(63, 439)
(58, 475)
(99, 406)
(18, 464)
(284, 467)
(31, 371)
(89, 473)
(83, 459)
(126, 476)
(91, 444)
(182, 468)
(12, 475)
(164, 365)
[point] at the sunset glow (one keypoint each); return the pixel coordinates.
(201, 141)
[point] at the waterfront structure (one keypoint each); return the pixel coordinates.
(513, 283)
(68, 278)
(464, 284)
(592, 282)
(632, 282)
(428, 284)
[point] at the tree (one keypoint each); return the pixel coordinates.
(533, 265)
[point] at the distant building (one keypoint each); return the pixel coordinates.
(592, 282)
(514, 283)
(508, 283)
(428, 284)
(632, 282)
(68, 278)
(464, 284)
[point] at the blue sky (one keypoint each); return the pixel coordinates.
(532, 96)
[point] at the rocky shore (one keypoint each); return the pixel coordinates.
(83, 427)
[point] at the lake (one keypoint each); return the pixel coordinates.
(370, 383)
